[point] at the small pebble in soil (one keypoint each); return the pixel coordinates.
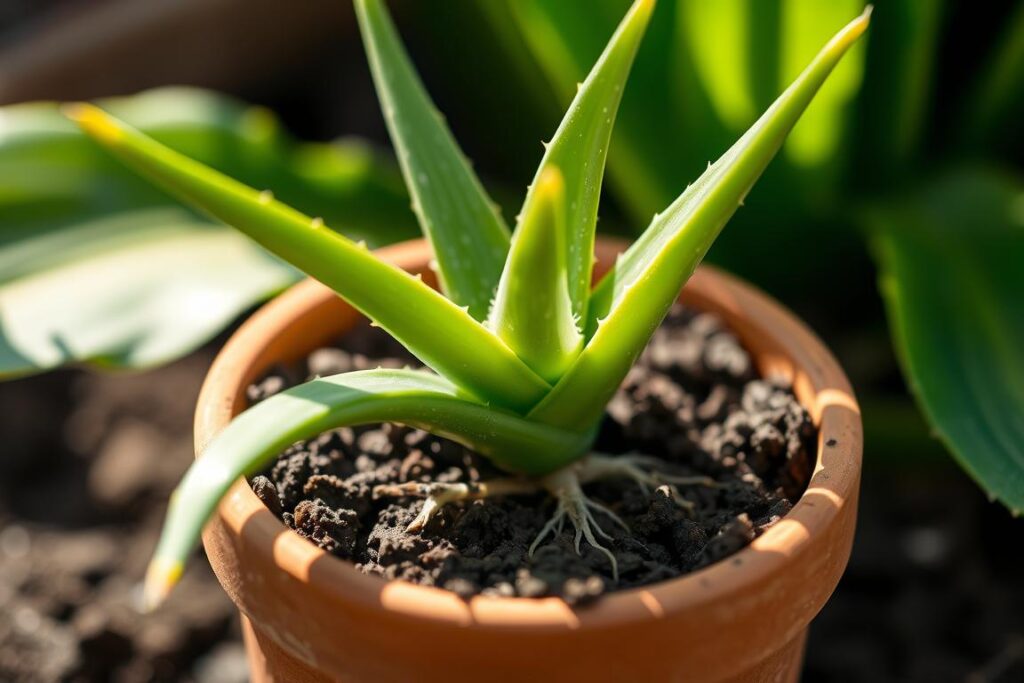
(693, 400)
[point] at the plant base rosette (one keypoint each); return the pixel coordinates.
(310, 616)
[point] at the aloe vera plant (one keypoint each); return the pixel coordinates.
(524, 352)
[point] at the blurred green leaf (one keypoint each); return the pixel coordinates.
(718, 37)
(998, 103)
(952, 276)
(97, 265)
(143, 288)
(803, 25)
(893, 114)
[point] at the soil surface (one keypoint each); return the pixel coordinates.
(693, 400)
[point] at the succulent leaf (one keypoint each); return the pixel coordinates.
(436, 330)
(532, 310)
(258, 435)
(469, 237)
(579, 148)
(630, 302)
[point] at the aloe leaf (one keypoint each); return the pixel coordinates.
(634, 297)
(950, 259)
(532, 310)
(463, 224)
(253, 439)
(69, 212)
(579, 148)
(440, 333)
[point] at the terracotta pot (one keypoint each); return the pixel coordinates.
(310, 616)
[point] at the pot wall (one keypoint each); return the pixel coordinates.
(310, 616)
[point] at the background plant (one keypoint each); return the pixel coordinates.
(521, 383)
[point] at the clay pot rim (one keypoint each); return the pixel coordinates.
(776, 338)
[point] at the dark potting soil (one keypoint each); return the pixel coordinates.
(693, 400)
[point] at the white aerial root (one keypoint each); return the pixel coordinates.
(566, 487)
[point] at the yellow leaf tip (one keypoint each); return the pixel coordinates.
(93, 120)
(861, 22)
(161, 577)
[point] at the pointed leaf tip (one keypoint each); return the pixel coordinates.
(93, 120)
(532, 311)
(162, 576)
(853, 30)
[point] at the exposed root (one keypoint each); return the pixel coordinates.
(564, 486)
(439, 494)
(640, 469)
